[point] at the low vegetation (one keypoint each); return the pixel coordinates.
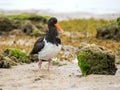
(84, 30)
(84, 25)
(118, 22)
(76, 31)
(25, 16)
(23, 23)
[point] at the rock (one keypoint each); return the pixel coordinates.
(37, 79)
(17, 55)
(108, 32)
(67, 53)
(37, 18)
(56, 63)
(5, 24)
(6, 62)
(27, 27)
(16, 23)
(33, 57)
(36, 32)
(117, 57)
(27, 23)
(118, 22)
(93, 59)
(17, 32)
(35, 29)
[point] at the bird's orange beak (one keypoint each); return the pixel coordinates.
(59, 28)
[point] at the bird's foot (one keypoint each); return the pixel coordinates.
(40, 64)
(49, 62)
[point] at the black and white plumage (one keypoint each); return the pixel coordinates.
(48, 45)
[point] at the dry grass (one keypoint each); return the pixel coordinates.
(84, 30)
(110, 44)
(24, 43)
(84, 25)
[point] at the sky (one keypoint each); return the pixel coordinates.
(64, 6)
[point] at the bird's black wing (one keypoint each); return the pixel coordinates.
(39, 44)
(58, 41)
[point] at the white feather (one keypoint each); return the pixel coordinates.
(49, 51)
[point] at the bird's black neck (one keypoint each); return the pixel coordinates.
(51, 35)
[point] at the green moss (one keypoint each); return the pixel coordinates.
(118, 22)
(37, 32)
(17, 54)
(84, 66)
(25, 16)
(5, 24)
(11, 22)
(95, 62)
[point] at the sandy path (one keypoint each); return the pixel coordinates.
(66, 77)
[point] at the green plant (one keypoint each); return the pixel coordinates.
(84, 66)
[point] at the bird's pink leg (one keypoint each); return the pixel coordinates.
(40, 63)
(49, 62)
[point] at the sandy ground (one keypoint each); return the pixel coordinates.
(65, 77)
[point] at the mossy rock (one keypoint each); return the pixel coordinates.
(94, 59)
(27, 27)
(118, 22)
(18, 54)
(25, 16)
(36, 29)
(16, 24)
(36, 32)
(111, 31)
(5, 24)
(6, 62)
(33, 57)
(24, 22)
(117, 57)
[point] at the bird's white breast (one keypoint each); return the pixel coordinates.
(49, 51)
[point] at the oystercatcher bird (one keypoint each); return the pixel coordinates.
(48, 45)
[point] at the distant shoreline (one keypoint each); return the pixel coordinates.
(63, 16)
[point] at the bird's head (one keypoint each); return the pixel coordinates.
(52, 22)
